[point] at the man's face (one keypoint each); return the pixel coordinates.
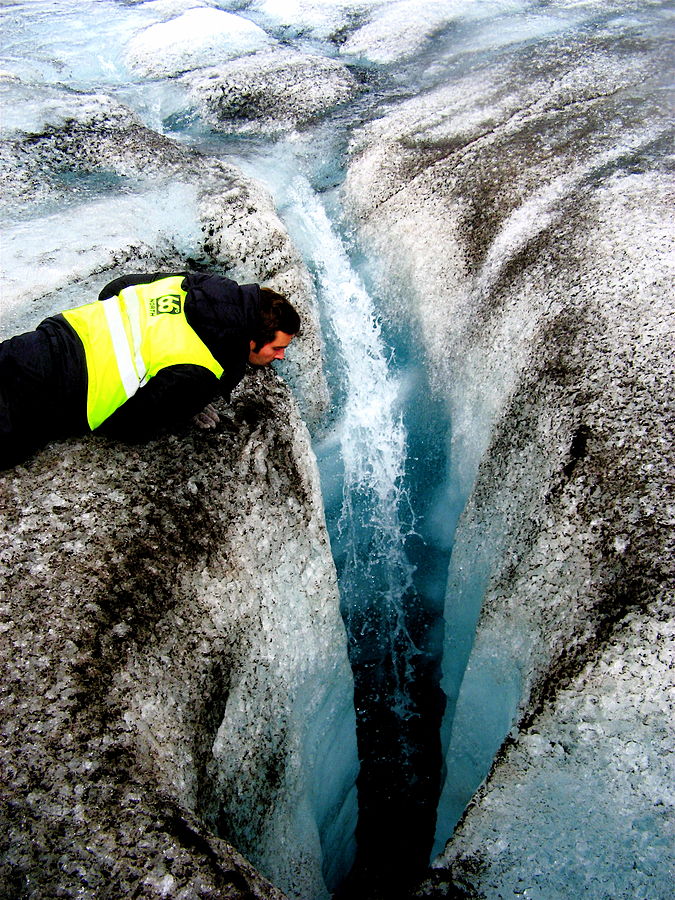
(269, 352)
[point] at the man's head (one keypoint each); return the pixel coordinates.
(277, 324)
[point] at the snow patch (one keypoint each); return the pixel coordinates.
(197, 38)
(397, 30)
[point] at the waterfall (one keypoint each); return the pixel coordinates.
(370, 440)
(380, 483)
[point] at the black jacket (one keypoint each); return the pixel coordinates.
(43, 374)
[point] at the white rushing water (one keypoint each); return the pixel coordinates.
(364, 455)
(381, 493)
(367, 441)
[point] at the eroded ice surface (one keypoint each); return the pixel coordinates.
(199, 37)
(545, 829)
(92, 191)
(509, 182)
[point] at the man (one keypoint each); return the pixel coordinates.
(151, 353)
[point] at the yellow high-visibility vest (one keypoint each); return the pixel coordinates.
(128, 338)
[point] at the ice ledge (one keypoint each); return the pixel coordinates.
(538, 281)
(175, 663)
(593, 771)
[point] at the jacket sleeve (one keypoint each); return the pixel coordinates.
(169, 399)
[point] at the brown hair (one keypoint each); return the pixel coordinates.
(276, 314)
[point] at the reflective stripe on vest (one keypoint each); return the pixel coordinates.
(128, 338)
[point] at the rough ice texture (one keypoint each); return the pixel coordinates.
(269, 92)
(199, 37)
(128, 195)
(324, 19)
(547, 826)
(174, 661)
(397, 30)
(173, 657)
(525, 206)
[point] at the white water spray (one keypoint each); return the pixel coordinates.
(372, 528)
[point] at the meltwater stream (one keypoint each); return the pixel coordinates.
(376, 460)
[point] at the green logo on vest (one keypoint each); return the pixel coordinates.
(167, 303)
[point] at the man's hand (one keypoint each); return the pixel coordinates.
(207, 418)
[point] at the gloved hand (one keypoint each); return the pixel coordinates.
(207, 418)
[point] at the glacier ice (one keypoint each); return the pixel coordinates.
(505, 176)
(199, 37)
